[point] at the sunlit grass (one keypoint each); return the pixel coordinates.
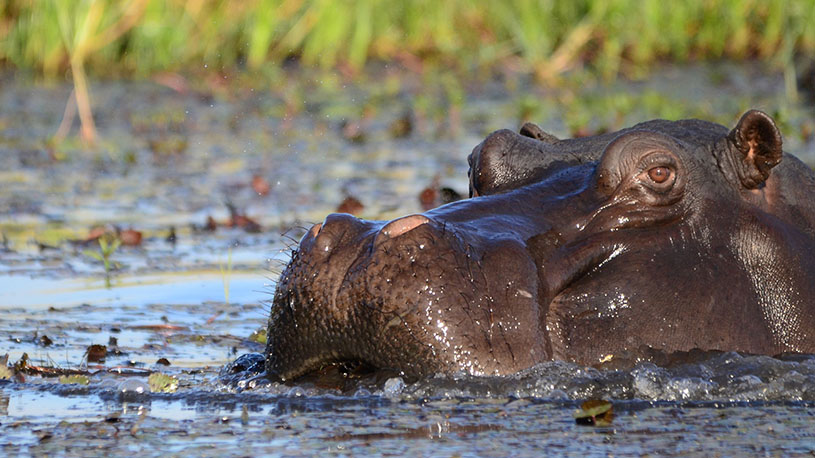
(85, 28)
(540, 36)
(543, 38)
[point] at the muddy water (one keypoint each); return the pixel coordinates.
(168, 160)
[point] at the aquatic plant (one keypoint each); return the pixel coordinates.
(80, 27)
(226, 274)
(545, 37)
(76, 379)
(162, 383)
(106, 249)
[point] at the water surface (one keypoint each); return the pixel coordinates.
(167, 161)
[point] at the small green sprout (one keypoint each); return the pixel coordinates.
(106, 249)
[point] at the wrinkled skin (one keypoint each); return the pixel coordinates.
(666, 236)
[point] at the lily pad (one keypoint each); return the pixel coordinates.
(259, 336)
(162, 383)
(96, 353)
(74, 379)
(594, 412)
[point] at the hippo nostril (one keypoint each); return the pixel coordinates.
(325, 237)
(313, 232)
(308, 239)
(400, 226)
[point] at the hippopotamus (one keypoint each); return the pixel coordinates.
(666, 236)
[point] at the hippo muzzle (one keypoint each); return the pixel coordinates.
(661, 236)
(397, 295)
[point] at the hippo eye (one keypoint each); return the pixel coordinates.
(660, 174)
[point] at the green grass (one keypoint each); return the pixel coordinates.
(544, 37)
(445, 39)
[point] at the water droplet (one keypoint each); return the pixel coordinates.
(362, 393)
(394, 386)
(296, 392)
(133, 386)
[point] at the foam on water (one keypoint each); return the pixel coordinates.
(713, 376)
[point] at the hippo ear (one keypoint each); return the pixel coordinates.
(534, 131)
(757, 142)
(503, 161)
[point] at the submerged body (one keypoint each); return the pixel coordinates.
(669, 236)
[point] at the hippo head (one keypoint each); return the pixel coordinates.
(667, 235)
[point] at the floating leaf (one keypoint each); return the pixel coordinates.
(350, 205)
(259, 336)
(45, 341)
(402, 127)
(130, 237)
(74, 379)
(594, 412)
(96, 353)
(5, 372)
(260, 185)
(162, 383)
(22, 364)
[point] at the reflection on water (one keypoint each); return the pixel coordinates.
(35, 293)
(225, 424)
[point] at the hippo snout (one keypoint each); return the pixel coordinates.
(340, 229)
(346, 294)
(387, 294)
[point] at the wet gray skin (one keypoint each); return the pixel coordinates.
(666, 236)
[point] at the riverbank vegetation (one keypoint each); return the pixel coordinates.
(141, 37)
(555, 43)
